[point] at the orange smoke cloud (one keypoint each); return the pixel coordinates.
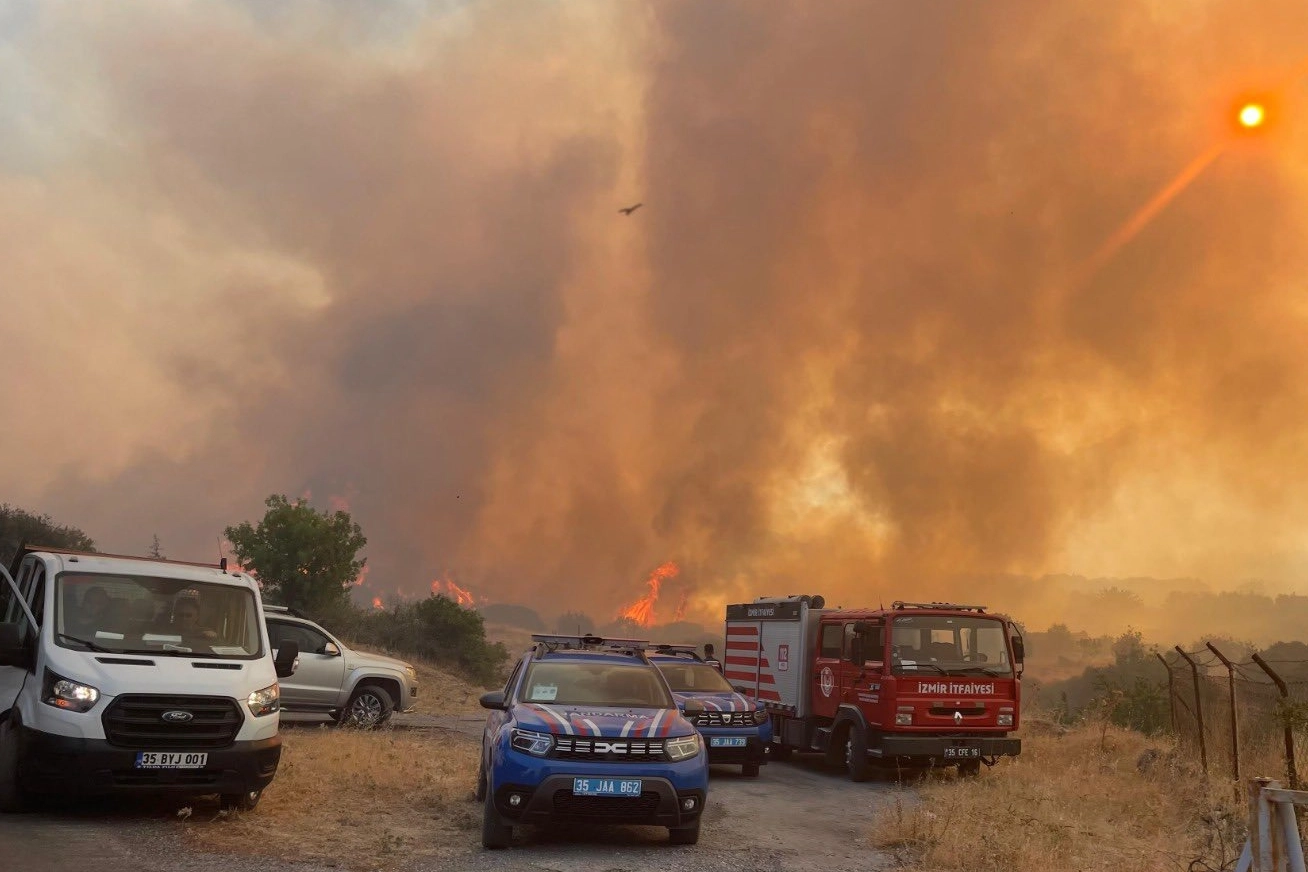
(641, 611)
(680, 613)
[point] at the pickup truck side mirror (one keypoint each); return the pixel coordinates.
(494, 700)
(331, 650)
(693, 707)
(13, 647)
(288, 659)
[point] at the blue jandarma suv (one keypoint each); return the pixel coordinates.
(736, 729)
(588, 730)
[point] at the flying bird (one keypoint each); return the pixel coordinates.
(630, 209)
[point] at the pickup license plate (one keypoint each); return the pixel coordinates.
(962, 752)
(605, 787)
(170, 760)
(726, 741)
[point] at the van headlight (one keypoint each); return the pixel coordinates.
(67, 694)
(266, 701)
(683, 748)
(528, 742)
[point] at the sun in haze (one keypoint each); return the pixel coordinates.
(1252, 115)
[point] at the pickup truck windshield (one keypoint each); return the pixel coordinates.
(599, 684)
(154, 615)
(949, 645)
(694, 678)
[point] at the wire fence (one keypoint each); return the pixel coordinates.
(1240, 718)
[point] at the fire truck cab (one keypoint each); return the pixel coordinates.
(917, 684)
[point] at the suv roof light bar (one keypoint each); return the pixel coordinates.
(900, 604)
(550, 642)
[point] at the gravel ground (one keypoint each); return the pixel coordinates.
(795, 816)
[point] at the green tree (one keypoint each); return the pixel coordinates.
(574, 622)
(305, 558)
(18, 526)
(155, 551)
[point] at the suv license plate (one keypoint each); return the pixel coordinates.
(726, 741)
(605, 787)
(170, 760)
(962, 752)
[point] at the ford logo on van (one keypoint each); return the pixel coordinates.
(177, 717)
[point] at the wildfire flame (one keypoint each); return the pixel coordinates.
(641, 612)
(363, 576)
(376, 602)
(462, 596)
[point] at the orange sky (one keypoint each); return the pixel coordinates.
(850, 344)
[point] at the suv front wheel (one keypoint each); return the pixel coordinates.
(370, 706)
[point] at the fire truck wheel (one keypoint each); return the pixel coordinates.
(749, 770)
(856, 754)
(684, 835)
(969, 769)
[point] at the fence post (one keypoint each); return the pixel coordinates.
(1198, 708)
(1171, 692)
(1291, 767)
(1235, 729)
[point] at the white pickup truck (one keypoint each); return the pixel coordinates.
(356, 689)
(127, 674)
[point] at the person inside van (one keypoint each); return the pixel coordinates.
(91, 614)
(186, 616)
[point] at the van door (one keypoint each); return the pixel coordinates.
(12, 597)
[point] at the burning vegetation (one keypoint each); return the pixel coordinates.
(641, 612)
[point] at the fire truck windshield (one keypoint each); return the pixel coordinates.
(949, 645)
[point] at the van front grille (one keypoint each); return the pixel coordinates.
(137, 721)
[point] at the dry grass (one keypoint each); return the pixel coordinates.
(1093, 798)
(440, 691)
(360, 801)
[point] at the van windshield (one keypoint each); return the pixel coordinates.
(153, 615)
(949, 645)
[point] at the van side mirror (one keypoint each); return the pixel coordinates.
(288, 659)
(13, 647)
(693, 707)
(494, 700)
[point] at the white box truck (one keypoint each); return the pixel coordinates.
(126, 674)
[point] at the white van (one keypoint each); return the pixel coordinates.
(126, 674)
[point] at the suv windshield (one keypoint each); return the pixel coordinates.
(949, 645)
(613, 684)
(694, 678)
(151, 615)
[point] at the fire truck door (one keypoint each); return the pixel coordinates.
(827, 667)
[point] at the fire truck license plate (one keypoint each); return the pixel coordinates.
(962, 752)
(167, 760)
(727, 742)
(605, 787)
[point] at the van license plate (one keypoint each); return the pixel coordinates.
(962, 752)
(605, 787)
(726, 741)
(170, 760)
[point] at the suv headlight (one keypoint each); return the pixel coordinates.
(535, 744)
(67, 694)
(683, 748)
(266, 701)
(412, 673)
(761, 716)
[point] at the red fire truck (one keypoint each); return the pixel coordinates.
(917, 684)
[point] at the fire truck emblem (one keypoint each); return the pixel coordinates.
(828, 680)
(958, 718)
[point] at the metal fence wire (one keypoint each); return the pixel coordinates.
(1240, 718)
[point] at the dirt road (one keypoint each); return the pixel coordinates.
(795, 816)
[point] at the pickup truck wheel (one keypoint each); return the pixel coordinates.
(749, 770)
(247, 801)
(856, 761)
(13, 798)
(684, 835)
(495, 833)
(369, 707)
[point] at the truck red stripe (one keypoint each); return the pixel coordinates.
(742, 646)
(742, 631)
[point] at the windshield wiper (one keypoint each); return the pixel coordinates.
(90, 646)
(935, 666)
(984, 670)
